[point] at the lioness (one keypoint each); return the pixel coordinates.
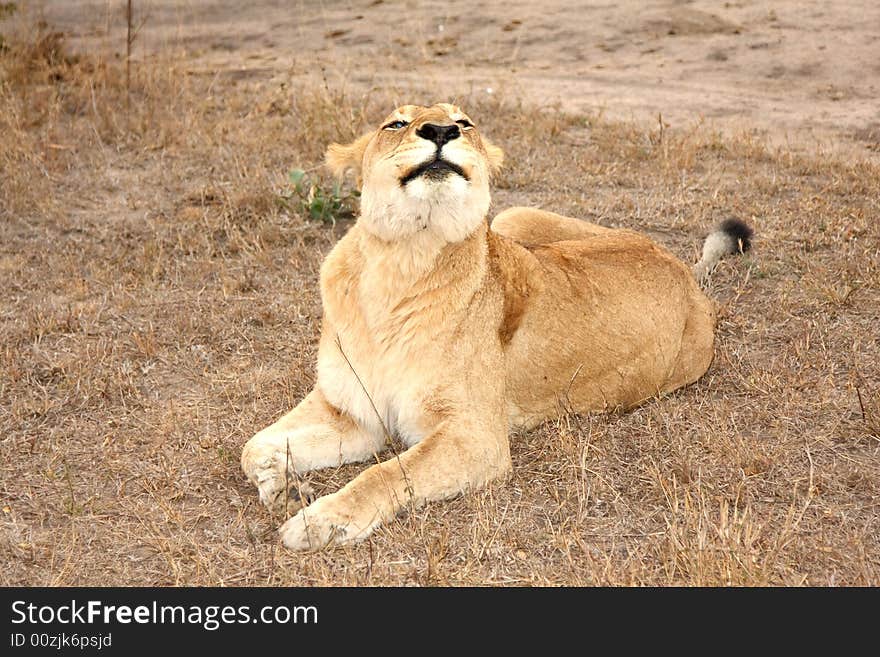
(443, 333)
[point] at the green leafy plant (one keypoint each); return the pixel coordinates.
(316, 200)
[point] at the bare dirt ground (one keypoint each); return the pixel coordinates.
(159, 296)
(802, 72)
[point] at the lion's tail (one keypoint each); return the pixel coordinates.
(732, 236)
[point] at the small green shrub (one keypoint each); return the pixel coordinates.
(318, 202)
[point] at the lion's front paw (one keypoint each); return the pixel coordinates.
(322, 523)
(265, 463)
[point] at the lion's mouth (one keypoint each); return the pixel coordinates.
(434, 169)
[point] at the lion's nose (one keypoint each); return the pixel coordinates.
(439, 134)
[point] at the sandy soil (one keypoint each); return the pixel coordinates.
(803, 72)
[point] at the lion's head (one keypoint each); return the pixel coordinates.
(423, 169)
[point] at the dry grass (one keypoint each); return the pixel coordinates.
(159, 307)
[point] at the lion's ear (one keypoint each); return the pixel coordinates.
(340, 158)
(495, 156)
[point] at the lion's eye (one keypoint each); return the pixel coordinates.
(465, 124)
(395, 125)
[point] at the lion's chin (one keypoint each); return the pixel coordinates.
(443, 189)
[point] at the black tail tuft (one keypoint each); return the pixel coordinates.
(740, 231)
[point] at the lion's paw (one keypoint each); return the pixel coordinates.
(321, 524)
(266, 465)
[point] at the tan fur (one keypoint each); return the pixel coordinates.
(445, 333)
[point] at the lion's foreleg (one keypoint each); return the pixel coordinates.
(456, 457)
(313, 435)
